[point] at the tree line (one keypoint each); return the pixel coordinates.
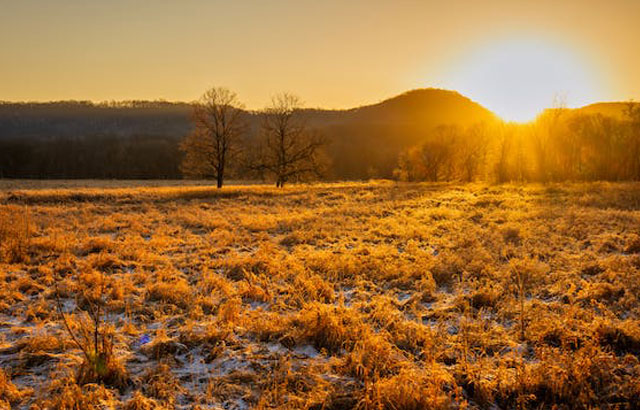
(97, 157)
(217, 138)
(560, 145)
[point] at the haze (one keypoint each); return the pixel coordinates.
(334, 54)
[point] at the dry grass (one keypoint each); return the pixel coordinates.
(15, 234)
(334, 296)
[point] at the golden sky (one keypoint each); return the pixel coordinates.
(333, 54)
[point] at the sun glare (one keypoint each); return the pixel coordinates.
(517, 79)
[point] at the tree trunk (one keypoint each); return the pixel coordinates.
(219, 181)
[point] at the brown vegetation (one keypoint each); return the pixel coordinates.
(339, 296)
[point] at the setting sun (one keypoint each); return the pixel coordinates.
(519, 78)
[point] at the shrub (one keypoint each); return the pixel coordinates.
(95, 339)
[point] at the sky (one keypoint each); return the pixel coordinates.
(333, 54)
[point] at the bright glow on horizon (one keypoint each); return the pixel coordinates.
(519, 78)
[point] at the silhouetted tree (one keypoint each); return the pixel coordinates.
(543, 134)
(219, 126)
(433, 159)
(288, 149)
(632, 113)
(472, 151)
(503, 153)
(434, 156)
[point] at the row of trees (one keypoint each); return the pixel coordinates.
(281, 142)
(284, 148)
(99, 156)
(450, 153)
(560, 145)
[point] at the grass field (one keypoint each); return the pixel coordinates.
(336, 296)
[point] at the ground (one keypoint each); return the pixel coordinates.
(332, 296)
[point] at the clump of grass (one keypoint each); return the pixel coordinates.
(411, 389)
(511, 235)
(326, 327)
(524, 275)
(236, 384)
(94, 245)
(100, 364)
(230, 311)
(160, 383)
(209, 334)
(177, 293)
(139, 402)
(9, 393)
(622, 338)
(283, 387)
(580, 379)
(65, 394)
(163, 346)
(601, 291)
(42, 342)
(95, 339)
(254, 288)
(633, 244)
(15, 234)
(372, 357)
(485, 298)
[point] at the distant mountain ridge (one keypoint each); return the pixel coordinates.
(46, 119)
(365, 141)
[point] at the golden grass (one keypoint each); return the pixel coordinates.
(328, 296)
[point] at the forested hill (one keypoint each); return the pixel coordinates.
(366, 141)
(139, 139)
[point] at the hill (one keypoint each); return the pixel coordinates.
(368, 139)
(608, 109)
(139, 139)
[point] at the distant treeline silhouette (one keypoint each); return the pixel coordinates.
(79, 139)
(560, 145)
(96, 157)
(429, 134)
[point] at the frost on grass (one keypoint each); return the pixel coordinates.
(364, 296)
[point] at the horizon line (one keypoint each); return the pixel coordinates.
(114, 103)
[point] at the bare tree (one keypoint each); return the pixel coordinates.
(436, 154)
(472, 151)
(219, 126)
(288, 150)
(632, 113)
(503, 152)
(547, 137)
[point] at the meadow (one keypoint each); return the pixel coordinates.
(375, 295)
